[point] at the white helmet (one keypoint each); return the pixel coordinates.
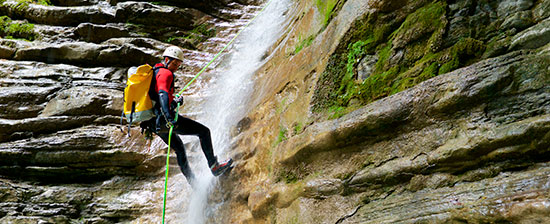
(173, 52)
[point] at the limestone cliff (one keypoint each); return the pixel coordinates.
(63, 157)
(365, 111)
(396, 111)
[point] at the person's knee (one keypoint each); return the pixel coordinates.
(204, 132)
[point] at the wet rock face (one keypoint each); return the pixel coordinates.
(467, 144)
(64, 158)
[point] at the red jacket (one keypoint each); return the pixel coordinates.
(165, 82)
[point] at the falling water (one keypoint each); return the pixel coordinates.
(226, 101)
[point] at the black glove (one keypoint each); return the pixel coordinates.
(165, 108)
(176, 101)
(179, 100)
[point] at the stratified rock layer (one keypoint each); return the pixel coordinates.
(379, 111)
(469, 143)
(64, 158)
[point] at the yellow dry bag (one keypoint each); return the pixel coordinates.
(138, 106)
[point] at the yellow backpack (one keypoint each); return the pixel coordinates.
(138, 105)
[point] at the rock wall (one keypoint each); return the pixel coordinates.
(378, 111)
(396, 111)
(63, 157)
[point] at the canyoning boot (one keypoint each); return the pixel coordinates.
(220, 168)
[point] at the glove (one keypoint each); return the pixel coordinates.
(177, 101)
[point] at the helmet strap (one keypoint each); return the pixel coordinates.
(167, 63)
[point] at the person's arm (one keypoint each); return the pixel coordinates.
(164, 81)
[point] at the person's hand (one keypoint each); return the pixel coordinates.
(178, 100)
(170, 122)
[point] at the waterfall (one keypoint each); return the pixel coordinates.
(225, 104)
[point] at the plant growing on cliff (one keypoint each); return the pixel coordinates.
(326, 9)
(303, 43)
(11, 29)
(408, 51)
(298, 128)
(198, 34)
(24, 4)
(281, 137)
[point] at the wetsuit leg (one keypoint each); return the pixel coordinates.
(178, 147)
(186, 126)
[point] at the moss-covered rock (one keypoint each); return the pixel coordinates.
(428, 41)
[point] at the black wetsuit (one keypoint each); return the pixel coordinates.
(163, 87)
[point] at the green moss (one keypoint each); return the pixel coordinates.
(383, 57)
(326, 8)
(298, 128)
(198, 34)
(409, 52)
(161, 3)
(303, 43)
(10, 29)
(281, 137)
(347, 84)
(423, 21)
(378, 86)
(289, 177)
(281, 106)
(451, 65)
(326, 95)
(24, 4)
(336, 112)
(204, 30)
(464, 52)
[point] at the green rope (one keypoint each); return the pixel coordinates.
(177, 110)
(166, 180)
(168, 163)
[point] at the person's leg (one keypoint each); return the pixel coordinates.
(179, 148)
(186, 126)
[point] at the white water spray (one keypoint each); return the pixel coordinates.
(228, 96)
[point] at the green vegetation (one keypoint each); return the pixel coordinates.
(326, 8)
(336, 112)
(409, 51)
(204, 30)
(281, 106)
(303, 43)
(287, 177)
(23, 4)
(10, 29)
(161, 3)
(298, 128)
(197, 34)
(281, 137)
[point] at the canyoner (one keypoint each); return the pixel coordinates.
(149, 99)
(157, 110)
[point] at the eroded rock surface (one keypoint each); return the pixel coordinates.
(63, 155)
(446, 140)
(379, 111)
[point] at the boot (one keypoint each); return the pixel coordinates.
(220, 168)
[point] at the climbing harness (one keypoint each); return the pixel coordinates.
(184, 88)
